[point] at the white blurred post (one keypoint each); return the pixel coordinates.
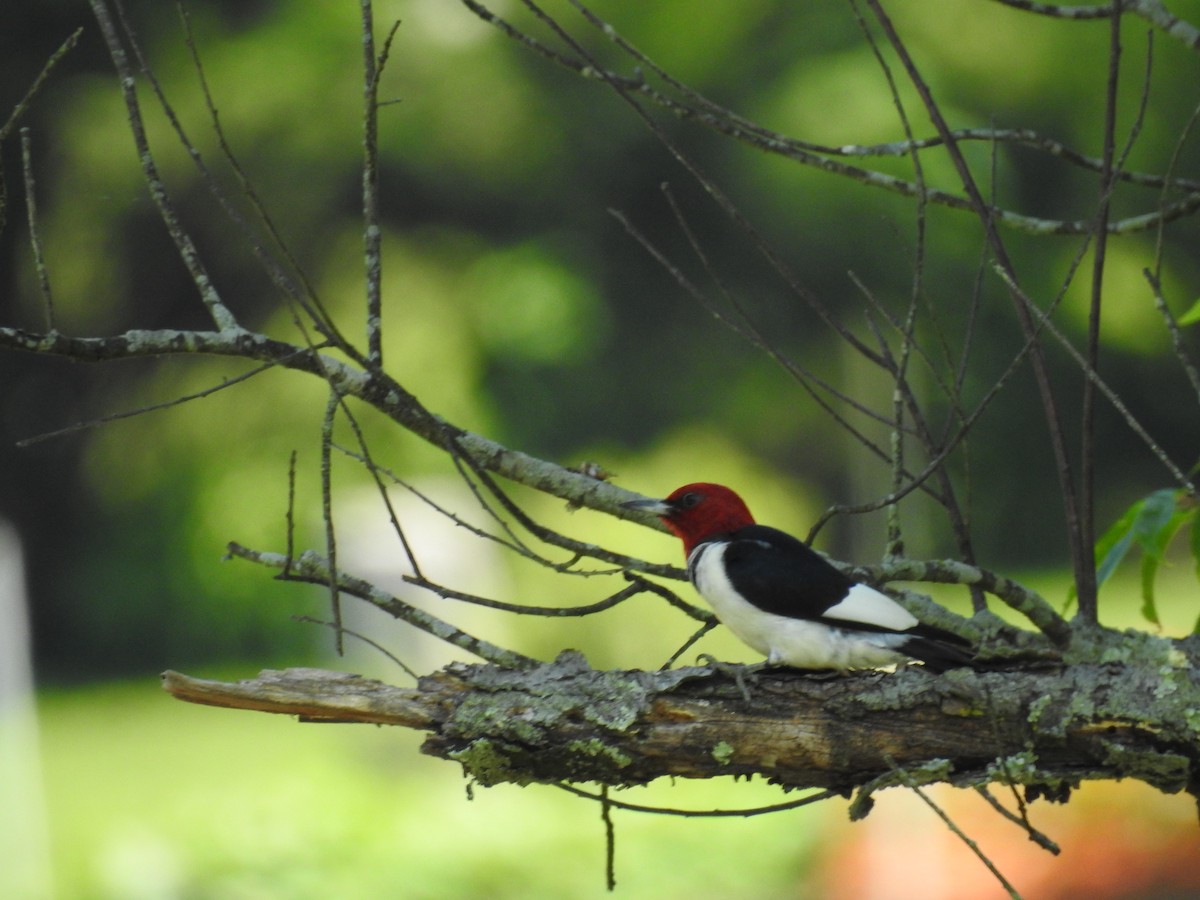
(24, 837)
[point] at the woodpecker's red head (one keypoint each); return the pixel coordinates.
(695, 512)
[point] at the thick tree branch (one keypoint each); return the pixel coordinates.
(383, 393)
(1131, 717)
(374, 388)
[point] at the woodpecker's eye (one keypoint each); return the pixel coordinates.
(690, 499)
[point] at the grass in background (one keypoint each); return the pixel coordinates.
(148, 798)
(152, 798)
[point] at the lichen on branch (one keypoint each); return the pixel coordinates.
(1047, 729)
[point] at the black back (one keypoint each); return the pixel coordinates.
(788, 578)
(783, 574)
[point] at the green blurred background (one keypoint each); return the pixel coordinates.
(516, 306)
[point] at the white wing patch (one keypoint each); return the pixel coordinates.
(867, 605)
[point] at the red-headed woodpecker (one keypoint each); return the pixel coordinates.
(784, 600)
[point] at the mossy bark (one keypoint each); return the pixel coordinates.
(1121, 706)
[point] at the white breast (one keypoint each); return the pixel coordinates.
(800, 643)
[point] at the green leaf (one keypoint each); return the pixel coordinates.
(1195, 544)
(1115, 543)
(1155, 523)
(1113, 557)
(1149, 570)
(1192, 316)
(1152, 522)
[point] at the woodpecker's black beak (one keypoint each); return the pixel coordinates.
(655, 507)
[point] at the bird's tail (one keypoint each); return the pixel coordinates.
(940, 653)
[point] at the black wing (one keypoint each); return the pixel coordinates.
(788, 578)
(783, 574)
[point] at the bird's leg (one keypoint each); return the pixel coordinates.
(739, 672)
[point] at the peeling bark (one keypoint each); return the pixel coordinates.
(1132, 712)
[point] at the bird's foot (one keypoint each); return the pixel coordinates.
(739, 672)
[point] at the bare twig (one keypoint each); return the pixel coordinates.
(1085, 583)
(1053, 418)
(1172, 325)
(704, 813)
(141, 410)
(291, 281)
(311, 568)
(221, 315)
(1021, 819)
(22, 106)
(695, 107)
(1109, 394)
(374, 645)
(372, 237)
(915, 787)
(335, 597)
(610, 840)
(35, 235)
(525, 609)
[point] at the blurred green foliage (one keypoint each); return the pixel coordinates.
(193, 802)
(517, 307)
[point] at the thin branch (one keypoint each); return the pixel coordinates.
(335, 597)
(694, 612)
(517, 547)
(1109, 394)
(915, 787)
(899, 368)
(547, 535)
(729, 124)
(1024, 137)
(302, 294)
(1053, 418)
(23, 104)
(1021, 819)
(747, 813)
(372, 237)
(610, 839)
(690, 642)
(35, 234)
(142, 410)
(525, 609)
(1086, 586)
(340, 630)
(1154, 276)
(311, 568)
(1172, 324)
(384, 497)
(290, 516)
(221, 315)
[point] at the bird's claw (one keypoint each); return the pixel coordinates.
(737, 671)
